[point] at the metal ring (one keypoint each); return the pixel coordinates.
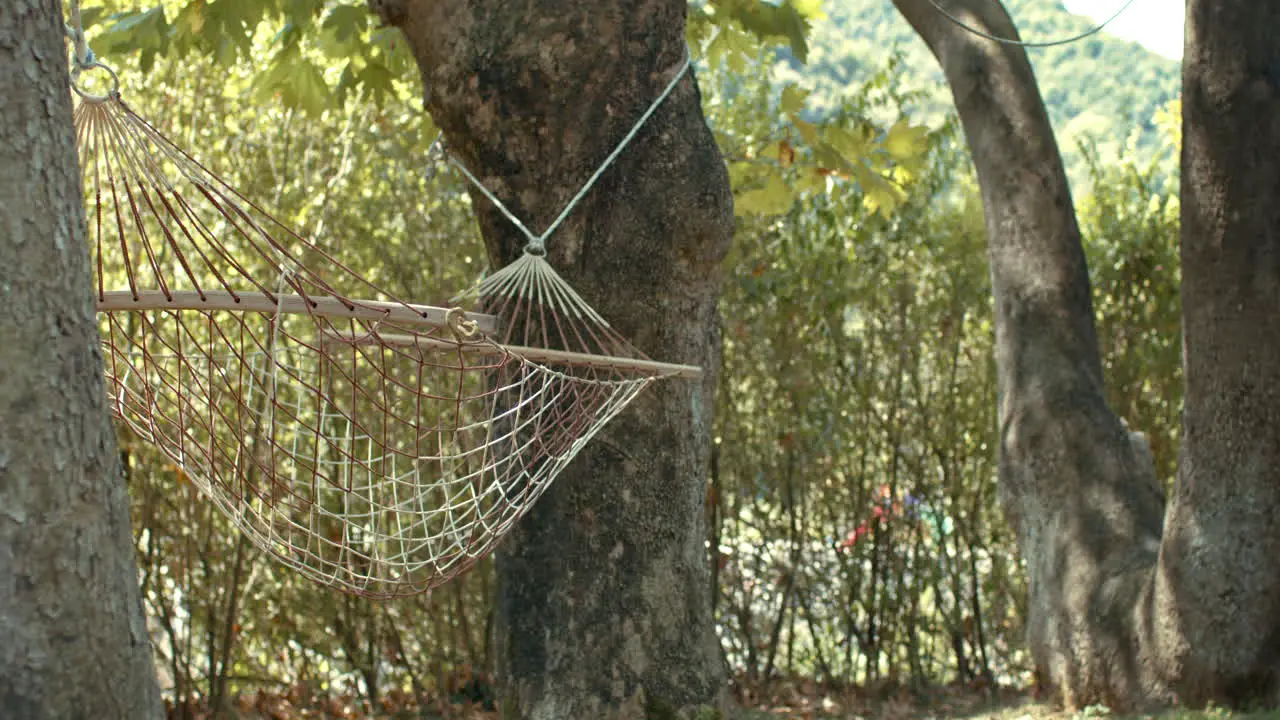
(92, 97)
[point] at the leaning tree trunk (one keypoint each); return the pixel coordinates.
(1086, 506)
(1219, 580)
(73, 643)
(1120, 611)
(603, 596)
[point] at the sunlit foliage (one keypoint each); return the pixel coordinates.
(854, 534)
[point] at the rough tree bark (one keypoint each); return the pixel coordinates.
(602, 601)
(74, 644)
(1219, 581)
(1121, 612)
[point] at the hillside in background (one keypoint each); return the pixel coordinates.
(1100, 88)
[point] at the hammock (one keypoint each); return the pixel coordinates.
(374, 445)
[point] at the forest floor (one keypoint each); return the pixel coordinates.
(947, 703)
(784, 701)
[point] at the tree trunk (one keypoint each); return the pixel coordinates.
(74, 641)
(1219, 580)
(1086, 506)
(602, 601)
(1103, 625)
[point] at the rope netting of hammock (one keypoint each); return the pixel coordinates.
(374, 445)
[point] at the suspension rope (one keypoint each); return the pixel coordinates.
(83, 58)
(537, 242)
(75, 32)
(1020, 43)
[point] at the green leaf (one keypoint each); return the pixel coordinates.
(812, 181)
(147, 60)
(346, 81)
(127, 32)
(311, 93)
(188, 26)
(853, 146)
(302, 13)
(731, 49)
(346, 22)
(793, 97)
(298, 82)
(775, 198)
(91, 15)
(768, 21)
(810, 9)
(878, 194)
(233, 22)
(226, 52)
(140, 22)
(288, 35)
(906, 143)
(378, 80)
(808, 131)
(831, 158)
(740, 173)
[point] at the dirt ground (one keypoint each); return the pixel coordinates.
(810, 703)
(797, 700)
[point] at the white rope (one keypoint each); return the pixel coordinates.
(75, 31)
(537, 242)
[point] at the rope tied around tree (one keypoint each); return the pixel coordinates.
(537, 242)
(83, 54)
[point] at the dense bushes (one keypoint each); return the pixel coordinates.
(853, 530)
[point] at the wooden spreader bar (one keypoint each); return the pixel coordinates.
(564, 357)
(327, 306)
(373, 310)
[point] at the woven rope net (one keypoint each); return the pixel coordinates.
(374, 445)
